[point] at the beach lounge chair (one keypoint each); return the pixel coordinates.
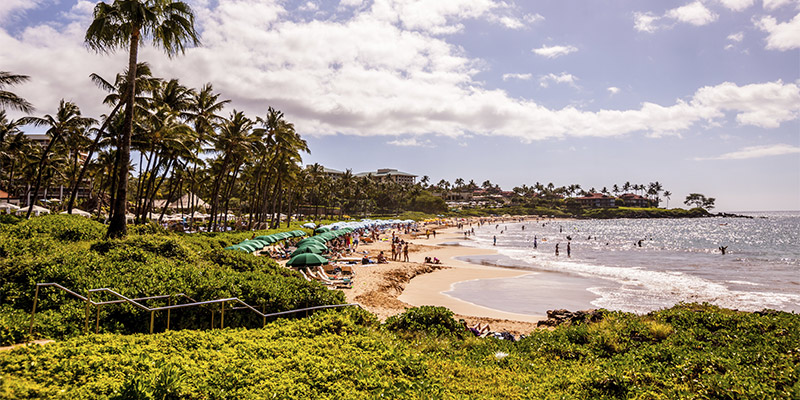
(324, 279)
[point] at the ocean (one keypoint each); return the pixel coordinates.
(640, 265)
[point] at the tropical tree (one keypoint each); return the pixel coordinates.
(667, 195)
(117, 96)
(9, 99)
(67, 120)
(125, 24)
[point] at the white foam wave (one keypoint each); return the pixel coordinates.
(636, 289)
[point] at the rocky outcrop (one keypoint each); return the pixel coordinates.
(558, 317)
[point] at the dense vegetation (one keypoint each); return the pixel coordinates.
(71, 251)
(689, 351)
(633, 212)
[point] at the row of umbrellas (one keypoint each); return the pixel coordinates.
(364, 223)
(309, 250)
(259, 242)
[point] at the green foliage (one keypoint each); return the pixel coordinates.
(688, 351)
(9, 219)
(426, 202)
(636, 212)
(437, 321)
(73, 253)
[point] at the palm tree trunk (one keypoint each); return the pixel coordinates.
(39, 174)
(74, 190)
(118, 225)
(228, 193)
(11, 180)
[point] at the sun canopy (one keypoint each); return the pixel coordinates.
(304, 259)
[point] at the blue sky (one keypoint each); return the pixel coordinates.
(702, 96)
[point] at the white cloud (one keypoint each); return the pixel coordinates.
(555, 51)
(340, 77)
(522, 77)
(563, 77)
(411, 142)
(351, 3)
(613, 90)
(308, 6)
(11, 7)
(736, 37)
(782, 36)
(775, 4)
(756, 152)
(737, 5)
(693, 13)
(645, 22)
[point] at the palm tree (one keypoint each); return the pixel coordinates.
(67, 120)
(667, 195)
(234, 142)
(15, 149)
(117, 95)
(11, 100)
(203, 111)
(124, 23)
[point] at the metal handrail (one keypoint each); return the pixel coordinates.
(136, 302)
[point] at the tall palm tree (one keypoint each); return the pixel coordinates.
(667, 195)
(125, 23)
(118, 97)
(9, 99)
(203, 112)
(234, 141)
(67, 120)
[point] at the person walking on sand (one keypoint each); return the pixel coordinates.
(394, 252)
(557, 249)
(569, 250)
(405, 253)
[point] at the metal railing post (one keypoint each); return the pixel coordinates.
(212, 319)
(222, 315)
(97, 319)
(86, 322)
(33, 311)
(152, 315)
(169, 303)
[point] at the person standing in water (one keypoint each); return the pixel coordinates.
(535, 244)
(494, 240)
(723, 249)
(569, 250)
(557, 249)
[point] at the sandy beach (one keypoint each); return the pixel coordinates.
(388, 289)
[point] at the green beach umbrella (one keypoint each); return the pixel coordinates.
(310, 240)
(309, 249)
(322, 230)
(304, 259)
(317, 246)
(267, 238)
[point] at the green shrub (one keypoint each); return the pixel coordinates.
(430, 320)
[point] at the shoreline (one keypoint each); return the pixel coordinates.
(390, 289)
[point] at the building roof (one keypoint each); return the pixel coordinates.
(631, 196)
(594, 196)
(332, 171)
(385, 172)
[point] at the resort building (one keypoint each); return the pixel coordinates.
(596, 200)
(388, 174)
(55, 191)
(333, 173)
(634, 200)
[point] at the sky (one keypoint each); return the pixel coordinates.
(702, 96)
